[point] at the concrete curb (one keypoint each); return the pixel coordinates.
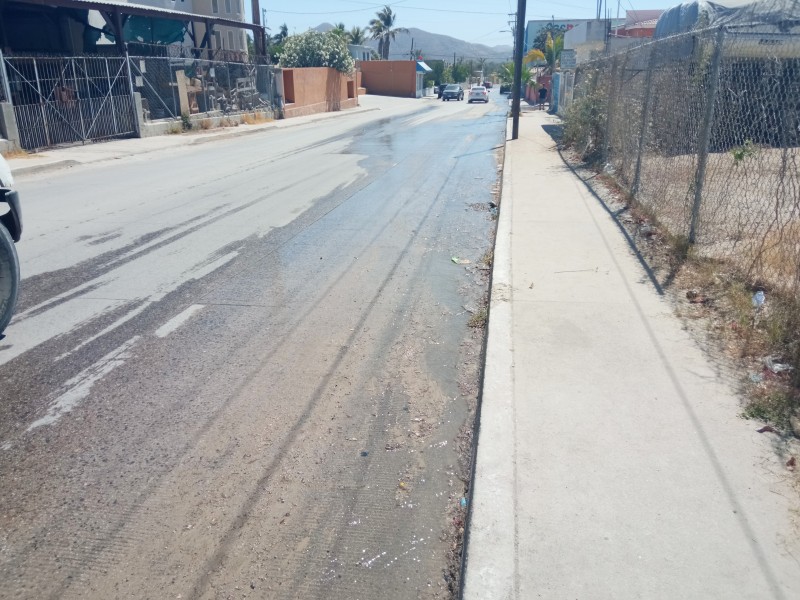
(490, 545)
(53, 166)
(213, 137)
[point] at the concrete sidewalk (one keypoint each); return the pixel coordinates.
(611, 460)
(71, 156)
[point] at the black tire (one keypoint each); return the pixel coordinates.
(9, 277)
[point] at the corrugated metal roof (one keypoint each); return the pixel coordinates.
(131, 8)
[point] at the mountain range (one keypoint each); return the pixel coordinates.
(434, 46)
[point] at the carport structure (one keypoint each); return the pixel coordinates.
(24, 23)
(58, 85)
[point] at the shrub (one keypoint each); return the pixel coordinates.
(584, 125)
(315, 49)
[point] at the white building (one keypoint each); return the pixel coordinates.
(224, 38)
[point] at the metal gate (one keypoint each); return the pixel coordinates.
(61, 100)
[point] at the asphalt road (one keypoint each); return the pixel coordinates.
(246, 369)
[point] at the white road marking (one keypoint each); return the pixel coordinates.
(178, 320)
(112, 327)
(80, 385)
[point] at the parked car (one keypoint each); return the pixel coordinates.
(505, 88)
(453, 92)
(10, 232)
(478, 94)
(487, 85)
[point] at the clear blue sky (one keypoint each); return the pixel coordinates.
(478, 21)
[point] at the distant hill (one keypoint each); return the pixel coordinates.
(436, 46)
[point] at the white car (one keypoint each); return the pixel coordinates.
(10, 231)
(478, 94)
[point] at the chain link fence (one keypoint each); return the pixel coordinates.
(172, 86)
(703, 129)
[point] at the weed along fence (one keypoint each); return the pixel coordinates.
(703, 129)
(62, 100)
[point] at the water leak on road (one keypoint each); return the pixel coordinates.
(307, 432)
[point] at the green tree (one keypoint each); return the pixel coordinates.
(382, 29)
(281, 36)
(552, 30)
(340, 30)
(460, 72)
(438, 69)
(357, 35)
(315, 49)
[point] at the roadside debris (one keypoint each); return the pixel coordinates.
(794, 421)
(696, 297)
(768, 429)
(463, 503)
(756, 377)
(758, 299)
(647, 230)
(791, 463)
(461, 261)
(776, 367)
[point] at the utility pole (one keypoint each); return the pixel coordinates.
(518, 45)
(260, 34)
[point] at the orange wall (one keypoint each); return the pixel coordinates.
(390, 77)
(317, 89)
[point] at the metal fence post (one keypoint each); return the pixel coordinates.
(78, 97)
(637, 174)
(4, 77)
(612, 95)
(705, 133)
(132, 92)
(42, 104)
(111, 96)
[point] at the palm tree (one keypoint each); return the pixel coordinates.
(339, 29)
(376, 29)
(282, 34)
(383, 30)
(357, 35)
(534, 56)
(552, 51)
(507, 73)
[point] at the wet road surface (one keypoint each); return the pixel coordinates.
(247, 370)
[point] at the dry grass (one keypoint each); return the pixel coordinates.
(255, 117)
(11, 154)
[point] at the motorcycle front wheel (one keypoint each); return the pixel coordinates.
(9, 277)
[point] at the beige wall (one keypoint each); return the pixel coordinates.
(390, 77)
(317, 89)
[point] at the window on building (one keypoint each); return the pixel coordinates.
(217, 41)
(228, 6)
(231, 45)
(215, 6)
